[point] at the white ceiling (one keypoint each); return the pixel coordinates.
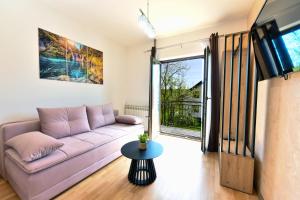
(117, 19)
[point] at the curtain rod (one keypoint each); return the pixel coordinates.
(193, 41)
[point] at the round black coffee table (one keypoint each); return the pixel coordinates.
(142, 170)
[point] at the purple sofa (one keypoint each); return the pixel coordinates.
(81, 155)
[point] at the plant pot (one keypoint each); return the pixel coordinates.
(142, 146)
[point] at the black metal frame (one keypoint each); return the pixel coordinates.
(239, 92)
(271, 50)
(230, 92)
(182, 59)
(247, 96)
(223, 93)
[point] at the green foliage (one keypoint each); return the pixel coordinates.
(143, 138)
(186, 121)
(195, 92)
(183, 120)
(296, 69)
(173, 84)
(175, 109)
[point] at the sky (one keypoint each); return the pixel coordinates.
(194, 74)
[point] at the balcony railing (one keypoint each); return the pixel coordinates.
(182, 114)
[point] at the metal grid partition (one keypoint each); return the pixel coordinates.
(233, 137)
(238, 114)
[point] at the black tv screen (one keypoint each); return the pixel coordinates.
(276, 38)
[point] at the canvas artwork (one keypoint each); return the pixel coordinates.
(66, 60)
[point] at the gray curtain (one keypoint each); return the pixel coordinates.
(213, 141)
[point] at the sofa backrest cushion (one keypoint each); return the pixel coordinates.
(63, 122)
(95, 116)
(108, 113)
(78, 120)
(100, 115)
(54, 122)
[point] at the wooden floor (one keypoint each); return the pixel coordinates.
(183, 173)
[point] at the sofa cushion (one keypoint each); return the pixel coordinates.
(63, 122)
(78, 120)
(112, 132)
(40, 185)
(37, 165)
(93, 138)
(54, 122)
(95, 116)
(129, 119)
(40, 145)
(100, 115)
(131, 129)
(108, 113)
(74, 147)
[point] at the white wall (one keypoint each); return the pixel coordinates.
(20, 87)
(139, 61)
(196, 48)
(137, 74)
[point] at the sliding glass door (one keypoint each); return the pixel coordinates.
(154, 98)
(206, 99)
(181, 96)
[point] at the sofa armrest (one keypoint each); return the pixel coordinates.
(13, 129)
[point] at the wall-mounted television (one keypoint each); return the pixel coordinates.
(276, 38)
(291, 39)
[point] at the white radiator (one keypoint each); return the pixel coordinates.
(140, 111)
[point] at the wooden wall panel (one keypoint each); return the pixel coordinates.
(236, 172)
(278, 139)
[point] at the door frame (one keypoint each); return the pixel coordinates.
(205, 98)
(184, 59)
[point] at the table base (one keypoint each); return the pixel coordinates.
(142, 172)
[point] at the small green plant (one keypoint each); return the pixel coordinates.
(143, 138)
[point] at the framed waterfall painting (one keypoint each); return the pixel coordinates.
(66, 60)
